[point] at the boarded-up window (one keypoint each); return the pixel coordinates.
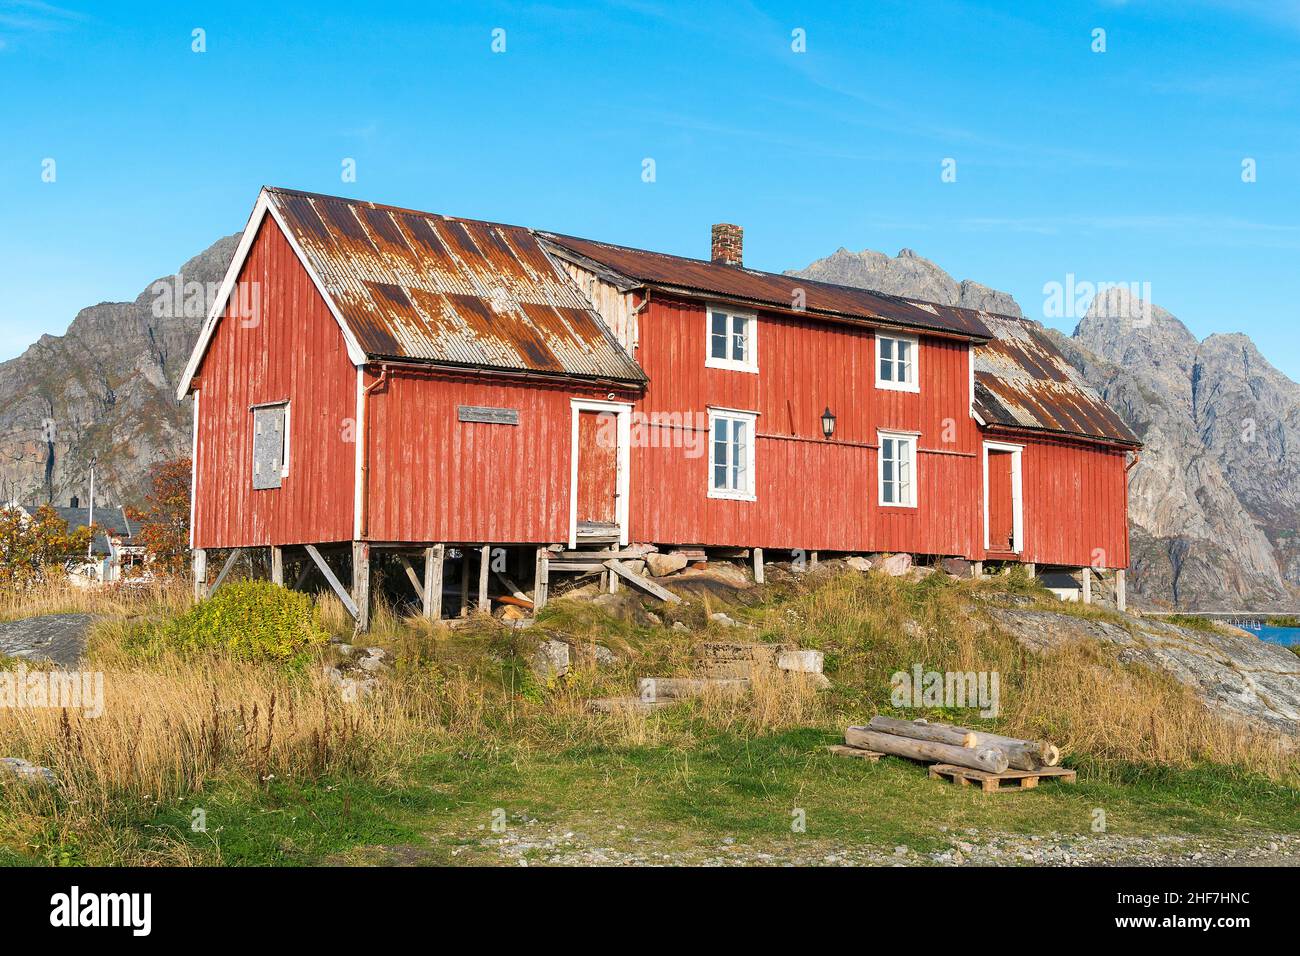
(270, 445)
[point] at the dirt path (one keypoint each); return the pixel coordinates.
(60, 638)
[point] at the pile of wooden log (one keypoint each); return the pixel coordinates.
(946, 744)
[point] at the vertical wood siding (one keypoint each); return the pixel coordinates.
(811, 493)
(435, 478)
(1075, 503)
(294, 351)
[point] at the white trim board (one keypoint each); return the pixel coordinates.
(622, 470)
(1017, 493)
(260, 211)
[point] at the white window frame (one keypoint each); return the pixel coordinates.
(749, 493)
(750, 320)
(913, 439)
(287, 406)
(913, 384)
(1017, 493)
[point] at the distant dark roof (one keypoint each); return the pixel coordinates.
(1022, 380)
(109, 518)
(698, 276)
(423, 287)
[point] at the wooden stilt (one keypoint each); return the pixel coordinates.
(225, 569)
(1031, 569)
(433, 561)
(1121, 595)
(411, 576)
(484, 566)
(812, 561)
(977, 569)
(1087, 585)
(200, 574)
(277, 565)
(464, 581)
(758, 566)
(361, 583)
(541, 579)
(333, 581)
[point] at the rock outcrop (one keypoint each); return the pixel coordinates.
(1243, 678)
(105, 390)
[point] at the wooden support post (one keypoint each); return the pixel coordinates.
(411, 576)
(361, 583)
(334, 582)
(225, 569)
(277, 565)
(200, 574)
(812, 561)
(464, 581)
(977, 569)
(484, 566)
(1121, 597)
(1087, 585)
(758, 566)
(541, 579)
(433, 560)
(1031, 569)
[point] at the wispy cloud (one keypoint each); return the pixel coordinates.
(19, 18)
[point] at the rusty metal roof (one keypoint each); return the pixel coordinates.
(417, 286)
(700, 277)
(1022, 380)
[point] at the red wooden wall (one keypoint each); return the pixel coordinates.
(435, 478)
(293, 350)
(1075, 503)
(812, 494)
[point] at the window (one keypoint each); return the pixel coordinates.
(896, 357)
(731, 454)
(732, 340)
(897, 470)
(270, 444)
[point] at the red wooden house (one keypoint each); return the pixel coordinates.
(375, 377)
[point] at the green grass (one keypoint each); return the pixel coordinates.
(680, 797)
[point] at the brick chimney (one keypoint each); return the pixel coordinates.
(728, 244)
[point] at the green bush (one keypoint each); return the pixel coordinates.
(252, 620)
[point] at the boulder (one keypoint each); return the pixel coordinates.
(805, 662)
(27, 772)
(957, 567)
(660, 565)
(858, 563)
(896, 565)
(551, 659)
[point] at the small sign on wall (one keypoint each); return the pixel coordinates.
(488, 415)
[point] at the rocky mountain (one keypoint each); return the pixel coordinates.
(105, 390)
(1214, 501)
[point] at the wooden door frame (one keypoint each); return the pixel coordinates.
(621, 483)
(1017, 493)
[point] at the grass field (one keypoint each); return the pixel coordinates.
(463, 747)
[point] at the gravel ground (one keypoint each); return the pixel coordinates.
(527, 842)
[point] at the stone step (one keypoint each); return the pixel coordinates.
(765, 654)
(677, 688)
(635, 705)
(726, 669)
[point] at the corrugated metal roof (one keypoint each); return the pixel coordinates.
(767, 288)
(1023, 381)
(422, 287)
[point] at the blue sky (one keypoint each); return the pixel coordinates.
(1122, 166)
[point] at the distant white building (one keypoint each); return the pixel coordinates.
(111, 549)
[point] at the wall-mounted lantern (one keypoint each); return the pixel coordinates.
(828, 422)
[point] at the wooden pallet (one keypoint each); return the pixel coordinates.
(994, 782)
(842, 751)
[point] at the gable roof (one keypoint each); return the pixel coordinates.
(696, 277)
(415, 286)
(1022, 380)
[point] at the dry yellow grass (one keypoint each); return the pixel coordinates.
(56, 595)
